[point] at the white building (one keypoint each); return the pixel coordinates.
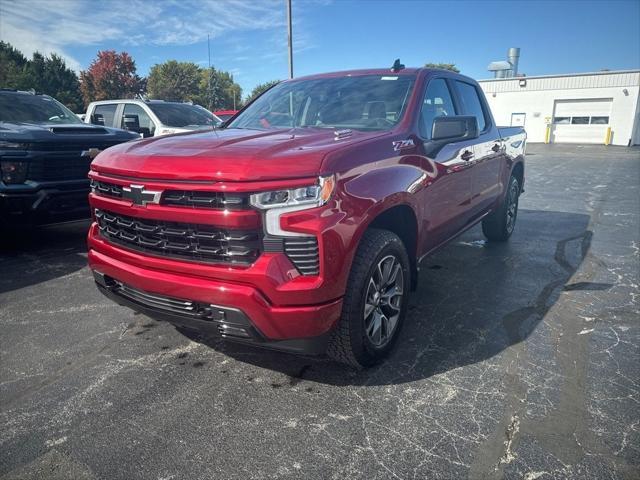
(599, 107)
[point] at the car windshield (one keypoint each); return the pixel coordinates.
(363, 102)
(182, 115)
(40, 109)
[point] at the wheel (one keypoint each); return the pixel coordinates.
(498, 226)
(375, 303)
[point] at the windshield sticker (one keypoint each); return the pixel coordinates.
(388, 78)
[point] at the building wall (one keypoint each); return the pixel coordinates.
(538, 97)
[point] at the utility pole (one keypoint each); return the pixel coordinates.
(209, 70)
(290, 38)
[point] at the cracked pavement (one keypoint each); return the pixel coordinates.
(518, 361)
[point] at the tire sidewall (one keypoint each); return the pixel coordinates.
(367, 353)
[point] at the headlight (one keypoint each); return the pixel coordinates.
(278, 202)
(13, 172)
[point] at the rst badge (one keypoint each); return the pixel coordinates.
(139, 196)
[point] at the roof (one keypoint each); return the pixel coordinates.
(560, 75)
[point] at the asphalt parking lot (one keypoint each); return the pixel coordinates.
(519, 360)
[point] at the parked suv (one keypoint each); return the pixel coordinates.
(45, 152)
(301, 224)
(151, 118)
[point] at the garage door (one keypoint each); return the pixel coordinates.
(581, 121)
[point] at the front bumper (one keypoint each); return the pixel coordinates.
(41, 204)
(300, 328)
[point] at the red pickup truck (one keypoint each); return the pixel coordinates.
(301, 224)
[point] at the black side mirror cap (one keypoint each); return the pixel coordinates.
(455, 128)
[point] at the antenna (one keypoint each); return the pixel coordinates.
(397, 66)
(209, 70)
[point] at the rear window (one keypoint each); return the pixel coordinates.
(363, 102)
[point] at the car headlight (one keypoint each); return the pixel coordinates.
(13, 172)
(278, 202)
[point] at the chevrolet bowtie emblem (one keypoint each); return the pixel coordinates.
(139, 196)
(91, 153)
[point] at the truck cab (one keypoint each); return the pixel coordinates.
(150, 118)
(301, 224)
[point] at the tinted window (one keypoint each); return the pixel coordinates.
(437, 102)
(144, 124)
(27, 108)
(580, 120)
(360, 102)
(103, 115)
(181, 115)
(599, 120)
(561, 120)
(471, 103)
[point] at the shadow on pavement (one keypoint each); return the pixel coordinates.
(474, 300)
(39, 254)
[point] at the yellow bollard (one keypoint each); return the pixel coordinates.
(547, 135)
(607, 137)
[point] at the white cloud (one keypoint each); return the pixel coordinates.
(51, 26)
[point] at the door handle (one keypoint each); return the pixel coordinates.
(496, 147)
(467, 155)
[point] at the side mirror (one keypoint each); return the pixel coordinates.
(454, 129)
(131, 122)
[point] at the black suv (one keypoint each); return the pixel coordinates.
(45, 152)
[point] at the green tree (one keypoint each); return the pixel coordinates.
(48, 75)
(12, 73)
(443, 66)
(174, 81)
(224, 94)
(261, 88)
(110, 76)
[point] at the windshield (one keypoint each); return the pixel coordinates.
(368, 102)
(27, 108)
(183, 115)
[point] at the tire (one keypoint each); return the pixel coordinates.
(499, 225)
(381, 264)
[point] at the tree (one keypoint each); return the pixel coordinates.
(48, 75)
(174, 81)
(12, 73)
(260, 89)
(110, 76)
(443, 66)
(186, 81)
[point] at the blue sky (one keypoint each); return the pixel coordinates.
(248, 38)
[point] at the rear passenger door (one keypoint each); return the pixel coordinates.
(487, 151)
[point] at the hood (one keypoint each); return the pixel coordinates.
(72, 132)
(230, 155)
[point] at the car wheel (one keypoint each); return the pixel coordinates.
(499, 225)
(375, 302)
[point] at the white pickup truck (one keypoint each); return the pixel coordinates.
(150, 118)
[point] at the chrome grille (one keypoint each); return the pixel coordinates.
(195, 242)
(303, 253)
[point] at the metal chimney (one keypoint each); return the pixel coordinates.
(513, 56)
